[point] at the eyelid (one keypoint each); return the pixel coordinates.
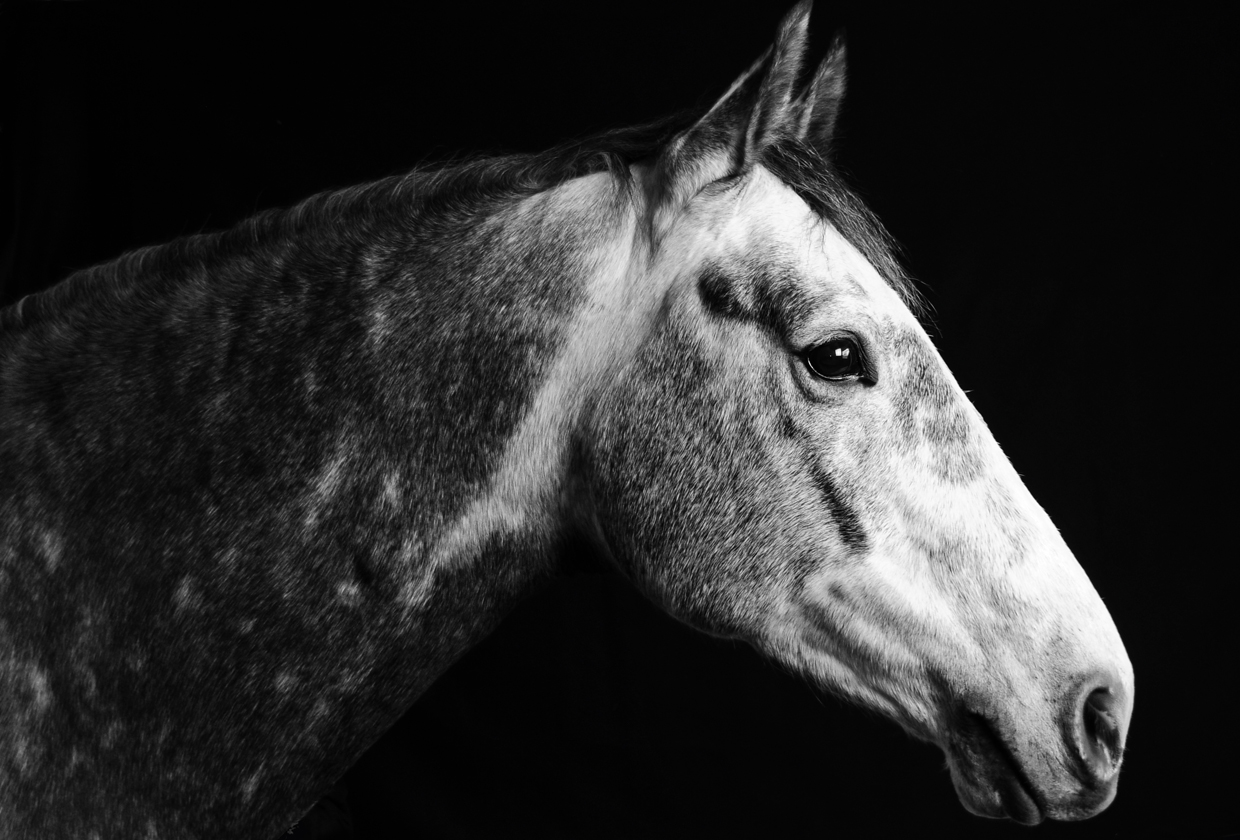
(825, 336)
(868, 371)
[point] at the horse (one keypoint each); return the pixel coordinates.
(261, 487)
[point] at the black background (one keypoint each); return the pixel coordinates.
(1060, 183)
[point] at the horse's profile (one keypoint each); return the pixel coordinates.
(259, 488)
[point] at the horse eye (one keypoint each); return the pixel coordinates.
(839, 358)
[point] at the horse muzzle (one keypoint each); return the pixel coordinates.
(1002, 767)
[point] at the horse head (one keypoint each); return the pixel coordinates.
(778, 454)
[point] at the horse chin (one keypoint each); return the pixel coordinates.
(988, 779)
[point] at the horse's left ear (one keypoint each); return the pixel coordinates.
(819, 104)
(757, 111)
(776, 114)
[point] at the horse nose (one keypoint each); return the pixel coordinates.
(1100, 723)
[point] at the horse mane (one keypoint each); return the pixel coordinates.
(451, 191)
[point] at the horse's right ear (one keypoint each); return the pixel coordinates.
(820, 102)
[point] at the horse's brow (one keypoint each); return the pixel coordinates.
(784, 298)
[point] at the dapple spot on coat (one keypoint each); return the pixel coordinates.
(40, 689)
(186, 596)
(52, 545)
(250, 786)
(931, 413)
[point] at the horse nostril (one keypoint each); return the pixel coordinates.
(1099, 738)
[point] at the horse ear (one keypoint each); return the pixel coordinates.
(820, 102)
(775, 114)
(757, 110)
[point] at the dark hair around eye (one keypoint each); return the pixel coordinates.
(837, 359)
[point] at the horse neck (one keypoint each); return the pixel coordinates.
(512, 362)
(332, 463)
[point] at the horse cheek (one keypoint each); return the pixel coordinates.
(673, 480)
